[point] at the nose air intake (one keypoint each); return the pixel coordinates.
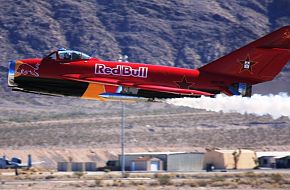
(11, 73)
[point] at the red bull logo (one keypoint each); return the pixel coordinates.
(26, 69)
(121, 70)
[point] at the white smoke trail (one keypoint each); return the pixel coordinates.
(273, 105)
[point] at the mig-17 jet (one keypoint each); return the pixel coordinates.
(72, 73)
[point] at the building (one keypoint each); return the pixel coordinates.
(76, 166)
(90, 166)
(63, 166)
(283, 162)
(167, 161)
(146, 163)
(190, 161)
(273, 159)
(230, 159)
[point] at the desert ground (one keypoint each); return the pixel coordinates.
(59, 129)
(54, 133)
(195, 180)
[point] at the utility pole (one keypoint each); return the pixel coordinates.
(123, 139)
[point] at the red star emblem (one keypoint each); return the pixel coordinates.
(183, 83)
(247, 64)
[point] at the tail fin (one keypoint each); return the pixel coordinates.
(256, 62)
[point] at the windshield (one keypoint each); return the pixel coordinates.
(72, 55)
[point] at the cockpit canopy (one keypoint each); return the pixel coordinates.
(67, 55)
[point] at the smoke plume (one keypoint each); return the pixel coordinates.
(273, 105)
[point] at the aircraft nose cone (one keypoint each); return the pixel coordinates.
(11, 73)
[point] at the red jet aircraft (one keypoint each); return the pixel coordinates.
(72, 73)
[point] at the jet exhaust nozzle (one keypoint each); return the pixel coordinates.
(11, 74)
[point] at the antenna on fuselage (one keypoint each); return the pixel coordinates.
(125, 58)
(120, 58)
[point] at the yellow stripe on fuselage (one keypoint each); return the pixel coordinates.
(93, 92)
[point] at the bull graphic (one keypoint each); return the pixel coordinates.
(25, 69)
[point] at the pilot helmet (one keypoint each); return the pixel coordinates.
(67, 55)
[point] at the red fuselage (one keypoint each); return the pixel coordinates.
(94, 78)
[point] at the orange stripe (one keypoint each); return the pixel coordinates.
(93, 92)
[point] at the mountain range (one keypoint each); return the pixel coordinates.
(182, 33)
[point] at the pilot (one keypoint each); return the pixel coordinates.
(67, 56)
(76, 56)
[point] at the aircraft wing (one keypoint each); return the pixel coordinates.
(15, 164)
(149, 87)
(24, 165)
(33, 163)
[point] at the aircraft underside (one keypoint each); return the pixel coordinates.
(57, 87)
